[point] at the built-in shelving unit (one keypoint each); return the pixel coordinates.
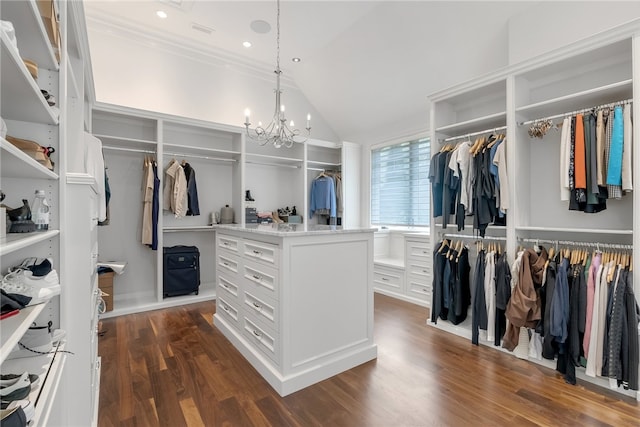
(587, 74)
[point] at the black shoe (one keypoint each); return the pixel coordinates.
(21, 219)
(247, 196)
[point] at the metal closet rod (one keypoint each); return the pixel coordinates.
(138, 150)
(272, 164)
(472, 237)
(573, 243)
(573, 113)
(469, 135)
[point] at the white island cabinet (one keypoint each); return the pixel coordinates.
(296, 300)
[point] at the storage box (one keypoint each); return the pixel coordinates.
(295, 219)
(50, 21)
(105, 283)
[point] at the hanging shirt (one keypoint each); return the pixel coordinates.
(500, 160)
(601, 147)
(614, 172)
(193, 207)
(175, 190)
(323, 196)
(147, 203)
(565, 147)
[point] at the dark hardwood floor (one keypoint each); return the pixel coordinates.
(174, 368)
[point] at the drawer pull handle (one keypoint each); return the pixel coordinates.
(424, 271)
(256, 305)
(255, 276)
(225, 308)
(225, 243)
(425, 290)
(224, 285)
(257, 252)
(256, 333)
(226, 264)
(385, 279)
(425, 252)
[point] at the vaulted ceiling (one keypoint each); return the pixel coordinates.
(366, 66)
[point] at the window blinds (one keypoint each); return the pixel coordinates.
(400, 184)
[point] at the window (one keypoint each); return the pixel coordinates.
(400, 184)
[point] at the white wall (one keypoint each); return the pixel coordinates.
(132, 70)
(549, 25)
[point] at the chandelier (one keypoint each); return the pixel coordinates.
(278, 132)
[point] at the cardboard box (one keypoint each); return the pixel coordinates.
(105, 283)
(50, 20)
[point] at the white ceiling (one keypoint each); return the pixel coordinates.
(367, 66)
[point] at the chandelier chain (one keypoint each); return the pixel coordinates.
(277, 133)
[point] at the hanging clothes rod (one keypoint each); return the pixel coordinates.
(273, 164)
(573, 243)
(316, 169)
(133, 150)
(472, 237)
(469, 135)
(573, 113)
(199, 156)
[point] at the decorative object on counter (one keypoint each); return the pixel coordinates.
(226, 215)
(248, 196)
(277, 132)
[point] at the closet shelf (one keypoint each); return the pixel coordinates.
(584, 99)
(321, 163)
(390, 262)
(194, 150)
(21, 96)
(274, 160)
(575, 230)
(49, 368)
(26, 20)
(17, 164)
(123, 142)
(488, 121)
(14, 327)
(16, 241)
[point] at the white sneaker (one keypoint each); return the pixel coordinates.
(39, 290)
(26, 405)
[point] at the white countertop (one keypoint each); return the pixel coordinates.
(286, 229)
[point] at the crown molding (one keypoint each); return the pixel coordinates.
(115, 27)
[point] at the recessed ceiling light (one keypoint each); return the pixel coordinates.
(296, 59)
(161, 14)
(246, 44)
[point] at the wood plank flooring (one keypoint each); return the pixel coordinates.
(174, 368)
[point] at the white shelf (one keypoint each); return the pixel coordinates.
(617, 91)
(272, 160)
(17, 164)
(480, 123)
(21, 96)
(179, 228)
(14, 327)
(575, 230)
(26, 20)
(320, 163)
(49, 368)
(15, 241)
(122, 142)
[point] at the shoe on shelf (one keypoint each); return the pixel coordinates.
(38, 266)
(19, 389)
(36, 341)
(8, 379)
(18, 283)
(26, 405)
(27, 277)
(275, 217)
(14, 417)
(247, 196)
